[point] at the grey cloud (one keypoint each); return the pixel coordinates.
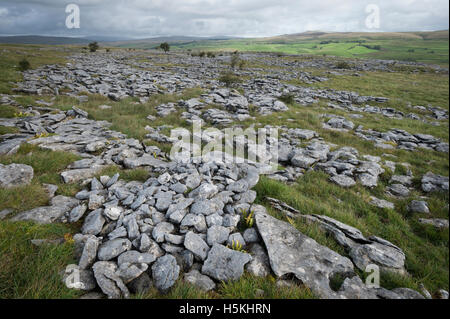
(142, 18)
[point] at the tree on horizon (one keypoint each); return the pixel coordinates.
(165, 46)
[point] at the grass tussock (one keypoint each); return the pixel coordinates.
(30, 272)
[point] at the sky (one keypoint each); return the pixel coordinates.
(241, 18)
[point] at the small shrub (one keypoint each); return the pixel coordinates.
(93, 46)
(211, 55)
(41, 135)
(234, 60)
(248, 219)
(21, 114)
(24, 65)
(287, 98)
(242, 64)
(229, 78)
(343, 65)
(237, 246)
(202, 54)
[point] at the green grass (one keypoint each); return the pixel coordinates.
(29, 272)
(427, 51)
(7, 111)
(416, 88)
(245, 288)
(138, 174)
(36, 55)
(8, 130)
(181, 290)
(130, 117)
(47, 166)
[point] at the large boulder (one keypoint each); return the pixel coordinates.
(59, 206)
(259, 266)
(145, 160)
(79, 279)
(76, 175)
(93, 223)
(224, 263)
(14, 175)
(433, 182)
(363, 251)
(165, 272)
(291, 252)
(202, 282)
(113, 248)
(196, 245)
(105, 273)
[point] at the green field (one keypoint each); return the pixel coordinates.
(427, 51)
(429, 47)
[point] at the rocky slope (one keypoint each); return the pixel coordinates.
(197, 219)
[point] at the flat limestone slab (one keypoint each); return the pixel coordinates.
(291, 252)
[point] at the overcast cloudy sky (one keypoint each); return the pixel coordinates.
(248, 18)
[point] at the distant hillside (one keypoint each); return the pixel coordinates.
(152, 42)
(36, 39)
(318, 35)
(427, 47)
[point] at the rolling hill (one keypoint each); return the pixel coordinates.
(427, 47)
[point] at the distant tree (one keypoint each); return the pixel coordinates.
(165, 47)
(93, 46)
(24, 65)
